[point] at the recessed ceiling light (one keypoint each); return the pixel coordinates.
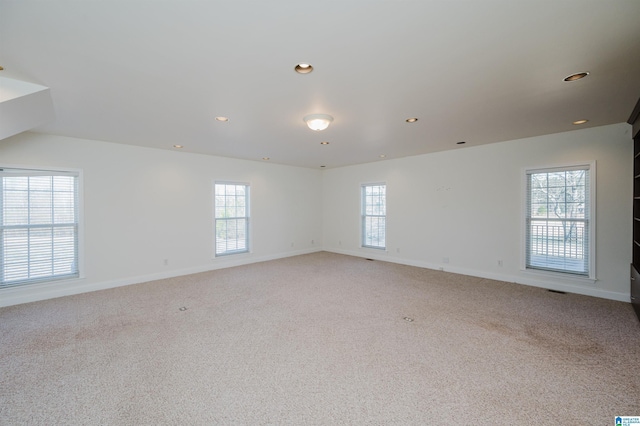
(576, 76)
(324, 143)
(177, 146)
(580, 122)
(303, 68)
(382, 156)
(411, 120)
(266, 158)
(223, 119)
(460, 143)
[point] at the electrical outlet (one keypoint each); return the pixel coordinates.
(313, 242)
(500, 263)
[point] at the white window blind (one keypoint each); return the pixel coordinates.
(374, 216)
(231, 218)
(558, 220)
(38, 226)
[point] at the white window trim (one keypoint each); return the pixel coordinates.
(249, 227)
(591, 278)
(80, 209)
(361, 217)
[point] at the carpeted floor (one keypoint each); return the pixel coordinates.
(320, 339)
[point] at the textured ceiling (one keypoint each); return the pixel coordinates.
(156, 73)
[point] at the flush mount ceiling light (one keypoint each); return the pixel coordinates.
(411, 120)
(177, 146)
(318, 122)
(223, 119)
(303, 68)
(578, 122)
(383, 156)
(266, 158)
(324, 143)
(576, 76)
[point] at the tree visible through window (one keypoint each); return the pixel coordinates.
(231, 218)
(558, 222)
(374, 216)
(38, 226)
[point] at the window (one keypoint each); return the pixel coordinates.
(38, 226)
(374, 211)
(558, 220)
(231, 218)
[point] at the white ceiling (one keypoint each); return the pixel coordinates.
(155, 73)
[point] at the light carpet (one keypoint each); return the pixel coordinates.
(320, 339)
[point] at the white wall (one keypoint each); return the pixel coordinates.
(142, 206)
(466, 205)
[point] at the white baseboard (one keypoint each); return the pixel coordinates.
(534, 281)
(48, 290)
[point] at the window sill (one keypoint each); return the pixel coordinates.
(232, 254)
(560, 276)
(377, 249)
(42, 284)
